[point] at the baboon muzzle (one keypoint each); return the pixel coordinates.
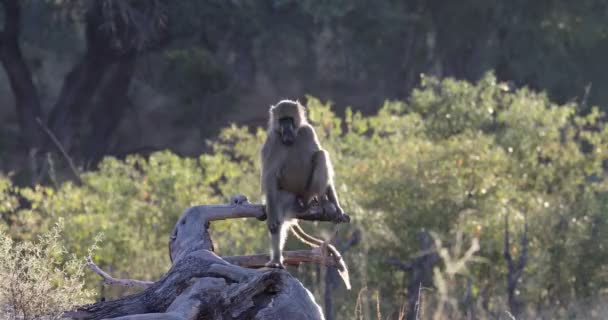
(287, 131)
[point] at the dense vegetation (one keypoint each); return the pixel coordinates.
(457, 159)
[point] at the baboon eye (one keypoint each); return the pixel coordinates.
(286, 121)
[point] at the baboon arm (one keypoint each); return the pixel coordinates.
(309, 134)
(265, 174)
(333, 198)
(322, 178)
(321, 175)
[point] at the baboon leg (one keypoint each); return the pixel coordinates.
(278, 207)
(276, 259)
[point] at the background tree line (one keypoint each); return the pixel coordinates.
(117, 77)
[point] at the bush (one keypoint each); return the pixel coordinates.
(40, 280)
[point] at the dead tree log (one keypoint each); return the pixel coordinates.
(202, 285)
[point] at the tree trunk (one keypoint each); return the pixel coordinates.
(202, 285)
(75, 96)
(109, 109)
(515, 269)
(27, 102)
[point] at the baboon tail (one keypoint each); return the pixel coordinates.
(305, 237)
(315, 242)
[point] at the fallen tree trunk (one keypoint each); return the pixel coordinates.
(202, 285)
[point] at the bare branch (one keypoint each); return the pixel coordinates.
(293, 258)
(523, 258)
(240, 207)
(108, 279)
(61, 149)
(515, 269)
(507, 252)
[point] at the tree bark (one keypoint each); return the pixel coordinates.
(202, 285)
(113, 41)
(27, 101)
(109, 108)
(115, 38)
(82, 81)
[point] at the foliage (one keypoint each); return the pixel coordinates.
(40, 280)
(136, 202)
(454, 159)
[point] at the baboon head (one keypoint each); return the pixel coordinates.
(286, 118)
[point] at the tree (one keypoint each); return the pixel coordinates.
(117, 32)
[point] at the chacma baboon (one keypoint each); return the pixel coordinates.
(294, 169)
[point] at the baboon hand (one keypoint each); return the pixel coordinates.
(339, 211)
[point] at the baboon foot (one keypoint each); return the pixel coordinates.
(300, 205)
(274, 264)
(314, 202)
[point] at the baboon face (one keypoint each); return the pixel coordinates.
(286, 118)
(287, 130)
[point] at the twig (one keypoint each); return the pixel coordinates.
(418, 301)
(108, 279)
(586, 95)
(378, 313)
(61, 149)
(510, 315)
(359, 304)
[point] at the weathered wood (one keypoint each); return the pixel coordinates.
(291, 258)
(202, 285)
(108, 279)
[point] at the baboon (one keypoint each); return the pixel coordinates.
(295, 169)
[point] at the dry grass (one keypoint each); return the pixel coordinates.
(439, 302)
